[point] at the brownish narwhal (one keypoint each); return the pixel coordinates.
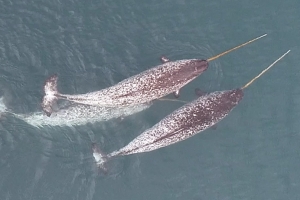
(186, 121)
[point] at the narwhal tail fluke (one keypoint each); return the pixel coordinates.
(51, 94)
(100, 157)
(3, 107)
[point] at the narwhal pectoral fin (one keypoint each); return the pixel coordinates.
(50, 97)
(176, 94)
(164, 59)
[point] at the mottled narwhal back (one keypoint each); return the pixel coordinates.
(208, 110)
(201, 113)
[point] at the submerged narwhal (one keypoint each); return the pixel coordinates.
(73, 114)
(184, 122)
(145, 87)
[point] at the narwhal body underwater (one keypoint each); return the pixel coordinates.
(74, 114)
(147, 86)
(188, 120)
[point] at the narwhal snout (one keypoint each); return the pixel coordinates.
(201, 66)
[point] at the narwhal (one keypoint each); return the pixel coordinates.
(185, 122)
(73, 114)
(147, 86)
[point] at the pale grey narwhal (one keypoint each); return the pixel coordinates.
(185, 122)
(145, 87)
(73, 114)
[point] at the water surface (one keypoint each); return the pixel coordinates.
(253, 153)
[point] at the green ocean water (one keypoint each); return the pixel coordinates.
(252, 154)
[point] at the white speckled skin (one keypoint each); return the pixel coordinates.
(141, 88)
(185, 122)
(75, 115)
(144, 87)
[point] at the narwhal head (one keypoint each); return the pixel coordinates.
(198, 66)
